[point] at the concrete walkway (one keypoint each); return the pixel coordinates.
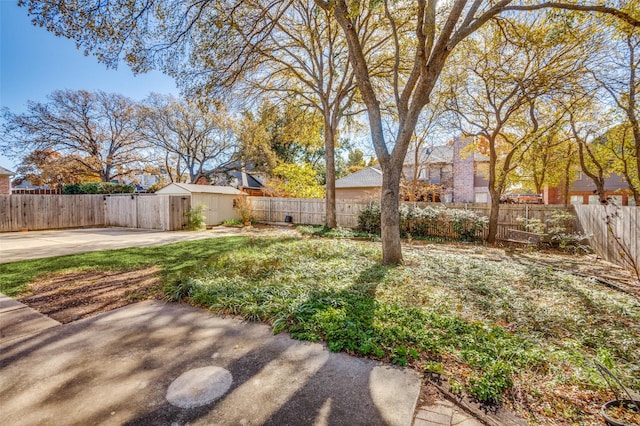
(161, 364)
(18, 320)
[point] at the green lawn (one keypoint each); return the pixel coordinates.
(173, 259)
(500, 329)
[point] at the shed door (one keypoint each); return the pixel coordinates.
(210, 201)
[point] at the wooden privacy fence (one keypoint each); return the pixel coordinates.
(38, 212)
(35, 212)
(312, 212)
(164, 212)
(625, 225)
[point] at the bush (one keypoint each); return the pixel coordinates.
(369, 219)
(466, 224)
(430, 221)
(244, 208)
(196, 219)
(98, 188)
(555, 232)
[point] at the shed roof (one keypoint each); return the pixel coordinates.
(6, 172)
(365, 178)
(189, 188)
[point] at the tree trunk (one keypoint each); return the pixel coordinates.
(567, 183)
(390, 216)
(493, 216)
(600, 189)
(330, 164)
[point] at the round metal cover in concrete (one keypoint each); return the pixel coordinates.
(199, 386)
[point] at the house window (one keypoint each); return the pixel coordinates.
(446, 174)
(617, 199)
(424, 173)
(576, 199)
(594, 199)
(435, 176)
(482, 197)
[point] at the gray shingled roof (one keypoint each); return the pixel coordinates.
(439, 154)
(365, 178)
(6, 172)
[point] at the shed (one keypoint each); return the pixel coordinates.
(218, 200)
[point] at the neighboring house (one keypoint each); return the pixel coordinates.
(239, 175)
(583, 191)
(5, 181)
(459, 173)
(141, 180)
(26, 187)
(365, 184)
(218, 201)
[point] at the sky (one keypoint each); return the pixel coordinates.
(34, 63)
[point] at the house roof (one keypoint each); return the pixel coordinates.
(441, 154)
(431, 155)
(365, 178)
(189, 188)
(252, 180)
(6, 172)
(243, 172)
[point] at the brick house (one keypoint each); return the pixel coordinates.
(583, 191)
(5, 181)
(459, 173)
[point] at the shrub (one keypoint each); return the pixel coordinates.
(466, 223)
(555, 231)
(244, 208)
(98, 188)
(196, 218)
(369, 219)
(430, 221)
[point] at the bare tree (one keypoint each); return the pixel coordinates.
(190, 137)
(100, 130)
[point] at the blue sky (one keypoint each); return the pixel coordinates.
(34, 63)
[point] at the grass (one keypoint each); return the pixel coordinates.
(503, 331)
(173, 259)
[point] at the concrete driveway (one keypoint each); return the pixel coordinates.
(38, 244)
(168, 364)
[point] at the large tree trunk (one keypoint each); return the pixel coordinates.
(330, 197)
(493, 216)
(390, 217)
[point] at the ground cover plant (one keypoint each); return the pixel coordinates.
(503, 330)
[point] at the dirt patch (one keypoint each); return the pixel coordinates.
(71, 296)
